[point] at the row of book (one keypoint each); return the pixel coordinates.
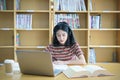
(95, 22)
(70, 5)
(65, 5)
(24, 21)
(71, 19)
(2, 4)
(74, 21)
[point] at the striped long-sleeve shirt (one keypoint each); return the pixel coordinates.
(64, 53)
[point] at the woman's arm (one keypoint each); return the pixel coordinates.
(80, 60)
(77, 60)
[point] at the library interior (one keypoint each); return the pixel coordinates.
(28, 25)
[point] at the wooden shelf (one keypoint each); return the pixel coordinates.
(104, 46)
(30, 47)
(107, 12)
(6, 46)
(33, 11)
(34, 29)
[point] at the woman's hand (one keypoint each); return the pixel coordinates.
(74, 60)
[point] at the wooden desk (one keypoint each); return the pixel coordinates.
(112, 67)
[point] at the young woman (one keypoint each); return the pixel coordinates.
(64, 49)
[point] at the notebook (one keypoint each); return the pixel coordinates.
(36, 62)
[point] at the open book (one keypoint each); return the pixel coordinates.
(61, 67)
(86, 71)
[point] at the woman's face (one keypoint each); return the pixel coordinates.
(62, 36)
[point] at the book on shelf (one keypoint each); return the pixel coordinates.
(2, 4)
(76, 71)
(24, 21)
(114, 56)
(65, 5)
(17, 4)
(92, 56)
(90, 5)
(95, 22)
(17, 39)
(82, 4)
(71, 19)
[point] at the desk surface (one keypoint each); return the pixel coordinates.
(112, 67)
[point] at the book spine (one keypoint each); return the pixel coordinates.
(114, 57)
(0, 5)
(17, 4)
(4, 5)
(17, 39)
(92, 56)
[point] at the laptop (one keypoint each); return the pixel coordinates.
(36, 62)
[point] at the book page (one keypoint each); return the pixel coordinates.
(93, 68)
(85, 71)
(77, 68)
(97, 70)
(76, 71)
(60, 67)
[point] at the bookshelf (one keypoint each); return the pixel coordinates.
(106, 42)
(104, 38)
(7, 31)
(25, 24)
(41, 20)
